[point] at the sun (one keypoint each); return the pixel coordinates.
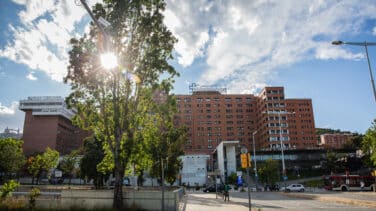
(108, 60)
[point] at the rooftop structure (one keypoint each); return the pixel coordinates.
(46, 106)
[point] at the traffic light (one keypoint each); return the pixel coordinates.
(249, 160)
(245, 160)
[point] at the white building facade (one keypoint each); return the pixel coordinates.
(194, 171)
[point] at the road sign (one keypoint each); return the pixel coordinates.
(240, 181)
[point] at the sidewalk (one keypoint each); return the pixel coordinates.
(209, 202)
(366, 199)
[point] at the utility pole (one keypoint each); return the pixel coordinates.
(246, 163)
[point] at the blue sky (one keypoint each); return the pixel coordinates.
(241, 45)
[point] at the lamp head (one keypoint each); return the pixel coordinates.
(337, 42)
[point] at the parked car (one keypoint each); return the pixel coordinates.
(211, 188)
(126, 182)
(274, 187)
(253, 188)
(294, 187)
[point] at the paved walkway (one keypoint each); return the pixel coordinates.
(277, 200)
(209, 202)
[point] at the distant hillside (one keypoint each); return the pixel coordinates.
(320, 131)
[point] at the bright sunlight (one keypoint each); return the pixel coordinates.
(108, 60)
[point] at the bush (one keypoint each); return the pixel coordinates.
(34, 194)
(8, 188)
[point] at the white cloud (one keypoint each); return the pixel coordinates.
(327, 51)
(243, 42)
(31, 77)
(20, 1)
(249, 40)
(374, 31)
(41, 41)
(8, 110)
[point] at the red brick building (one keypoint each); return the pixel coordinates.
(212, 117)
(47, 124)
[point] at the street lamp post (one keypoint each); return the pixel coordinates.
(163, 187)
(254, 156)
(280, 140)
(282, 150)
(365, 44)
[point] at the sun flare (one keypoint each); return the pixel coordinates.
(108, 60)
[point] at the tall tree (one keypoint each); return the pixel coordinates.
(330, 164)
(369, 145)
(164, 141)
(11, 156)
(68, 164)
(93, 155)
(108, 102)
(268, 171)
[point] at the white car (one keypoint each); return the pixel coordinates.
(294, 187)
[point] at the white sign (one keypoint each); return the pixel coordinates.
(58, 173)
(239, 173)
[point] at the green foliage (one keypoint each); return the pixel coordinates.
(314, 183)
(33, 195)
(42, 162)
(68, 164)
(369, 145)
(269, 171)
(232, 179)
(330, 164)
(8, 188)
(11, 156)
(114, 104)
(164, 141)
(320, 131)
(93, 156)
(355, 142)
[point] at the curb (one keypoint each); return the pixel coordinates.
(358, 202)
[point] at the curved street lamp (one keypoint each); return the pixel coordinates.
(365, 44)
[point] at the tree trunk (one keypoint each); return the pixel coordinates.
(118, 189)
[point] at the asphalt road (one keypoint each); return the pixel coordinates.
(261, 201)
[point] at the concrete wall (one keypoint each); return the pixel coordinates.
(90, 199)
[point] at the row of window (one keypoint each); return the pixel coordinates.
(278, 132)
(216, 99)
(277, 125)
(278, 138)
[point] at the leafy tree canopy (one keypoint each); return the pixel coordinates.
(369, 144)
(93, 155)
(42, 162)
(113, 104)
(269, 171)
(11, 155)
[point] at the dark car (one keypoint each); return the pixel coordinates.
(56, 180)
(211, 188)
